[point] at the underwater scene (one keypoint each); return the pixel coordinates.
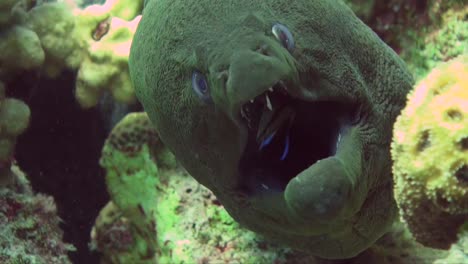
(233, 131)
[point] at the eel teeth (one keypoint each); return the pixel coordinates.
(269, 106)
(243, 113)
(338, 140)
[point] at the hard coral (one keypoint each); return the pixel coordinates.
(55, 25)
(131, 133)
(430, 153)
(112, 235)
(38, 36)
(14, 119)
(131, 177)
(109, 30)
(22, 50)
(440, 40)
(53, 36)
(106, 66)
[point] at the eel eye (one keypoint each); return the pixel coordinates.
(200, 86)
(282, 33)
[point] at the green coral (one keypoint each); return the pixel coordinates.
(429, 149)
(53, 36)
(446, 39)
(21, 46)
(55, 25)
(14, 120)
(14, 117)
(13, 11)
(39, 36)
(131, 177)
(24, 51)
(5, 11)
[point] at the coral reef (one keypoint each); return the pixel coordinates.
(106, 64)
(177, 220)
(131, 177)
(43, 38)
(53, 36)
(23, 51)
(441, 41)
(429, 150)
(14, 119)
(55, 25)
(29, 226)
(424, 33)
(39, 36)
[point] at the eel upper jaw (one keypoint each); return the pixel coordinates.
(287, 132)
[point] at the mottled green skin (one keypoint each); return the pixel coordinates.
(337, 207)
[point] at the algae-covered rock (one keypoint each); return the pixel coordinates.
(430, 153)
(29, 223)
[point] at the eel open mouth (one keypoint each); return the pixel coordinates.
(286, 135)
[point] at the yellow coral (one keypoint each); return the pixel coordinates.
(430, 153)
(106, 67)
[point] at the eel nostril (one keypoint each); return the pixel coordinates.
(223, 75)
(263, 49)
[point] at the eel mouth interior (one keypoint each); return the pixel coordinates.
(287, 135)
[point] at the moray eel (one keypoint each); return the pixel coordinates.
(284, 109)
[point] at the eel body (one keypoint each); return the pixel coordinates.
(284, 109)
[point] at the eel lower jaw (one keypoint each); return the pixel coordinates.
(287, 134)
